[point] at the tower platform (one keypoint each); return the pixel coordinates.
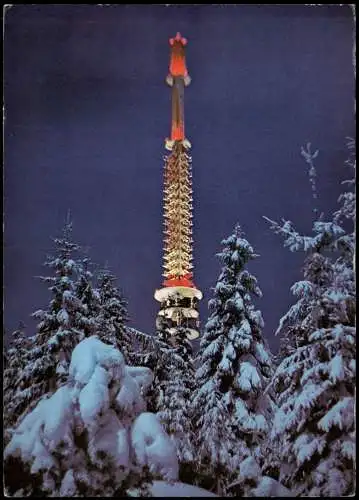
(179, 308)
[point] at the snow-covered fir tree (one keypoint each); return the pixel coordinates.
(231, 410)
(345, 216)
(330, 259)
(113, 314)
(174, 384)
(318, 273)
(144, 349)
(88, 295)
(64, 323)
(16, 361)
(313, 435)
(313, 431)
(153, 352)
(170, 359)
(335, 239)
(347, 199)
(60, 328)
(93, 436)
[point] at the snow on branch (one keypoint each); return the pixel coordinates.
(327, 235)
(340, 415)
(292, 238)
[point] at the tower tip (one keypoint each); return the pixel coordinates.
(178, 38)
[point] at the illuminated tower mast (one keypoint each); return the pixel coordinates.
(179, 297)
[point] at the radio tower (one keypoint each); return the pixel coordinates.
(178, 297)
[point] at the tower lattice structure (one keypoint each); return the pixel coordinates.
(178, 297)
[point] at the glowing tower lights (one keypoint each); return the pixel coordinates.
(179, 297)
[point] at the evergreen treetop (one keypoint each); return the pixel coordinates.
(231, 410)
(58, 331)
(312, 437)
(113, 314)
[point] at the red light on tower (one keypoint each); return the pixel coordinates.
(178, 78)
(177, 58)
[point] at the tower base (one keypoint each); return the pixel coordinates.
(178, 309)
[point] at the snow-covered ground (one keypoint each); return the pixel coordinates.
(177, 489)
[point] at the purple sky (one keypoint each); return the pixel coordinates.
(87, 112)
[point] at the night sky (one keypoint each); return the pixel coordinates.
(87, 111)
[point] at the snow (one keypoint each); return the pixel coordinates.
(63, 317)
(43, 459)
(61, 369)
(337, 372)
(207, 388)
(143, 376)
(352, 365)
(38, 314)
(68, 488)
(245, 328)
(129, 398)
(269, 487)
(70, 264)
(110, 437)
(262, 354)
(100, 383)
(306, 445)
(225, 365)
(230, 352)
(83, 362)
(331, 228)
(256, 317)
(153, 447)
(88, 353)
(253, 423)
(302, 288)
(213, 348)
(24, 440)
(59, 408)
(212, 323)
(336, 295)
(203, 369)
(163, 489)
(242, 342)
(340, 415)
(238, 302)
(309, 396)
(94, 397)
(348, 448)
(68, 295)
(248, 377)
(249, 469)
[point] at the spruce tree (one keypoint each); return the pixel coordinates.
(170, 359)
(230, 407)
(145, 350)
(16, 361)
(313, 435)
(335, 239)
(313, 431)
(61, 326)
(89, 297)
(347, 199)
(113, 316)
(175, 382)
(59, 329)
